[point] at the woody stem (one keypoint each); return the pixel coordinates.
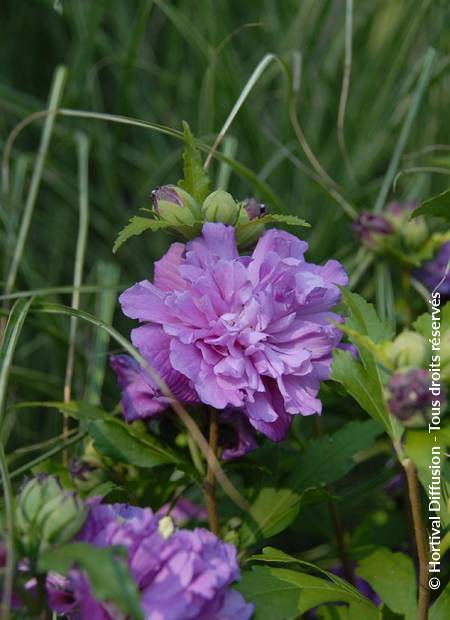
(211, 501)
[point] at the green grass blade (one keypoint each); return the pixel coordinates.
(406, 129)
(108, 275)
(54, 101)
(11, 335)
(8, 576)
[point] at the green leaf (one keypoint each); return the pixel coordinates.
(275, 218)
(418, 446)
(284, 594)
(364, 319)
(437, 206)
(423, 324)
(364, 380)
(196, 180)
(106, 569)
(11, 335)
(330, 457)
(365, 388)
(393, 577)
(440, 610)
(136, 226)
(127, 444)
(323, 461)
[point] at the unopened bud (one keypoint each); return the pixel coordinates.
(220, 206)
(409, 349)
(175, 206)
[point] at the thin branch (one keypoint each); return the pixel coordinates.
(420, 533)
(211, 500)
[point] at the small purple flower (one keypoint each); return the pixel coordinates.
(434, 274)
(186, 575)
(250, 332)
(254, 208)
(409, 393)
(236, 435)
(371, 228)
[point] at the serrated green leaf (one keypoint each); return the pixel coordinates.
(125, 443)
(284, 594)
(323, 461)
(364, 386)
(364, 319)
(196, 180)
(364, 381)
(377, 351)
(274, 218)
(106, 569)
(393, 577)
(136, 226)
(437, 206)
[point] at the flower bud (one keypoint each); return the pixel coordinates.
(175, 206)
(85, 475)
(413, 232)
(248, 230)
(47, 514)
(372, 230)
(253, 208)
(220, 206)
(409, 393)
(409, 349)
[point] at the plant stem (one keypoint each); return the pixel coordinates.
(420, 535)
(337, 525)
(340, 541)
(211, 501)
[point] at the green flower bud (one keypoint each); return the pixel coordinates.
(409, 349)
(415, 233)
(47, 514)
(175, 206)
(220, 206)
(248, 230)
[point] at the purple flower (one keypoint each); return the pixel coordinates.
(435, 274)
(371, 228)
(254, 208)
(251, 332)
(184, 576)
(409, 393)
(141, 397)
(236, 435)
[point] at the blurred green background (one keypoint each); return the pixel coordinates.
(165, 62)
